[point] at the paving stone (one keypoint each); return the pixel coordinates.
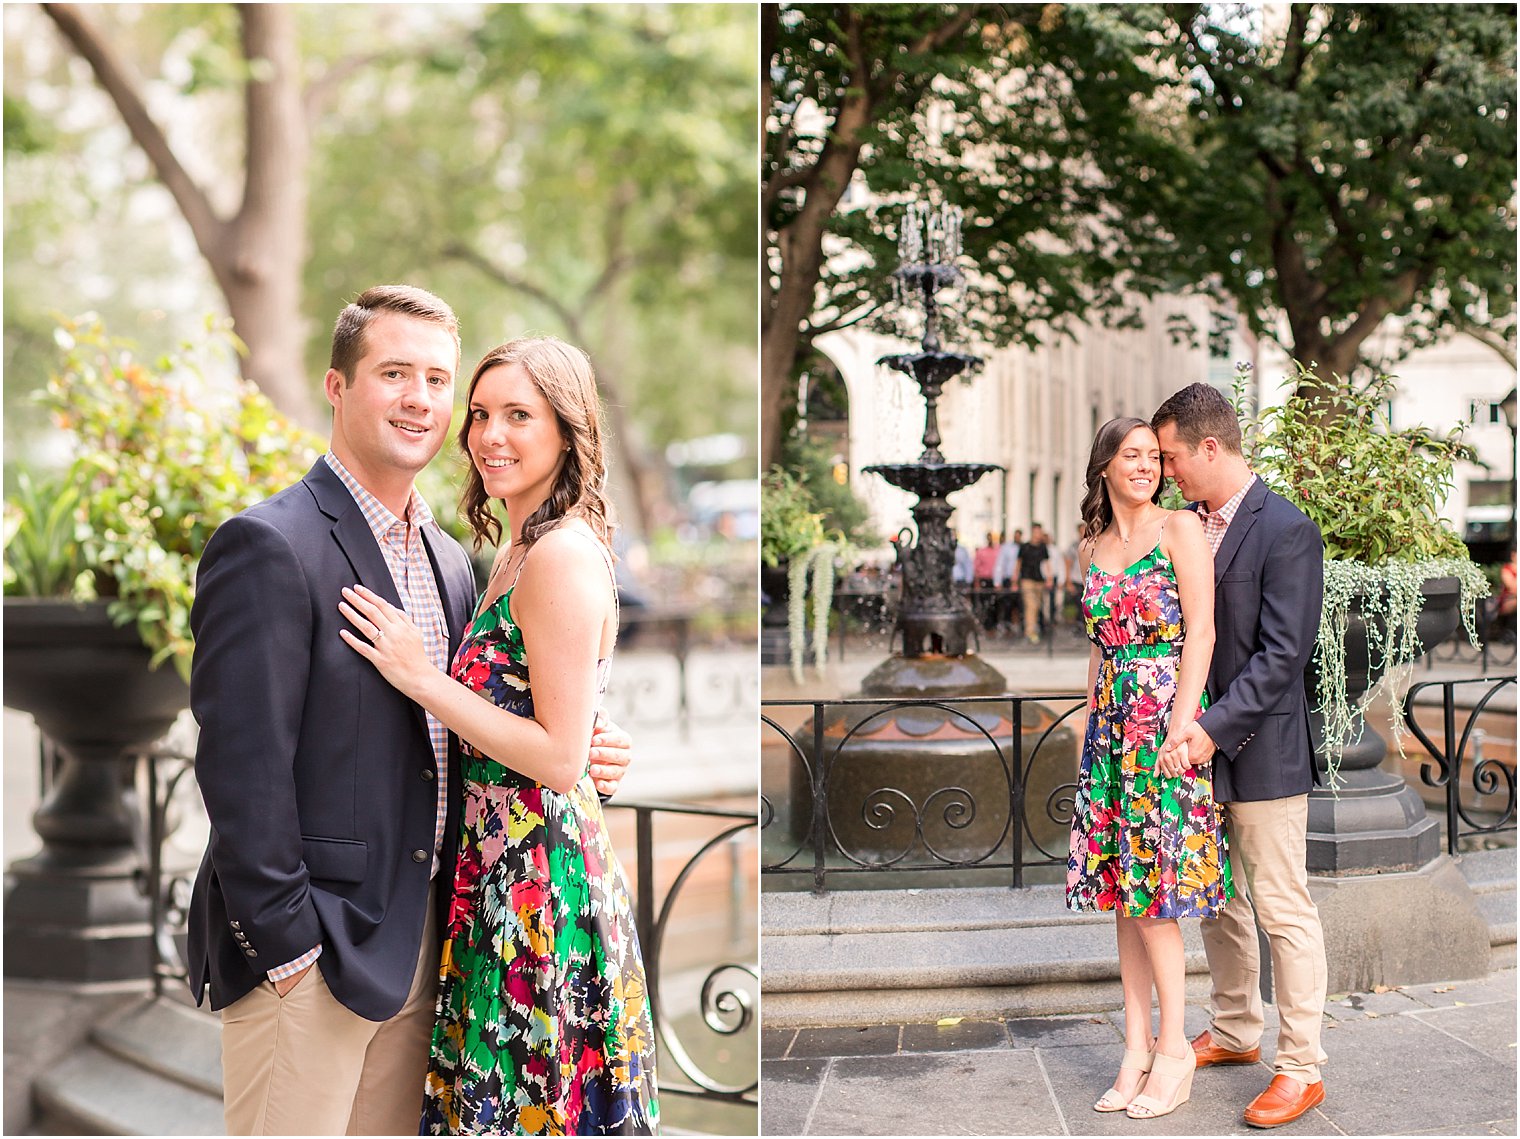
(1487, 1028)
(957, 1093)
(1063, 1032)
(875, 1040)
(1497, 1127)
(788, 1091)
(1498, 987)
(1080, 1075)
(774, 1042)
(968, 1035)
(1400, 1075)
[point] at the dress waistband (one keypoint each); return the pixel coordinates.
(1130, 652)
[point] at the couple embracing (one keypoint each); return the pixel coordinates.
(409, 911)
(1192, 797)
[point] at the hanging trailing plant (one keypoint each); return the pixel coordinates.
(818, 565)
(1375, 493)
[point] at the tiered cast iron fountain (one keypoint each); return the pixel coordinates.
(924, 774)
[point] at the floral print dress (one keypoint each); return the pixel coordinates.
(1142, 844)
(544, 1025)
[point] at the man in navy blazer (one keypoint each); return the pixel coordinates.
(333, 799)
(1268, 584)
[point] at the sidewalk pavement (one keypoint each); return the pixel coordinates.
(1430, 1059)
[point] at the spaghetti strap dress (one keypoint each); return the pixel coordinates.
(544, 1024)
(1142, 844)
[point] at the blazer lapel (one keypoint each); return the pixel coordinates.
(1240, 526)
(352, 532)
(356, 540)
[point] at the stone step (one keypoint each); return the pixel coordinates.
(1490, 874)
(152, 1068)
(871, 957)
(97, 1093)
(863, 957)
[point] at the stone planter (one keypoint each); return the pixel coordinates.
(74, 911)
(1374, 821)
(1394, 907)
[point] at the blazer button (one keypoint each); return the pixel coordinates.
(428, 775)
(251, 952)
(234, 925)
(419, 856)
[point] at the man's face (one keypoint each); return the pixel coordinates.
(1188, 468)
(395, 416)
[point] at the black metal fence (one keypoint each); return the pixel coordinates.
(1001, 799)
(843, 816)
(715, 678)
(705, 1019)
(1490, 808)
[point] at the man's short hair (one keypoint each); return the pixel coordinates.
(408, 300)
(1199, 412)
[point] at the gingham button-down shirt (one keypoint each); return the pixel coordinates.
(400, 542)
(1216, 522)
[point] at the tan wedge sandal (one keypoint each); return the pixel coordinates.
(1179, 1067)
(1113, 1100)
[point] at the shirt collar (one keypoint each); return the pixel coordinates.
(376, 513)
(1232, 504)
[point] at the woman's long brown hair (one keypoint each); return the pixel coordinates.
(563, 374)
(1097, 511)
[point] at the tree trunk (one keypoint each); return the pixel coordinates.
(256, 256)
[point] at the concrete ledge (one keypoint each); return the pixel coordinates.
(860, 1008)
(944, 959)
(927, 910)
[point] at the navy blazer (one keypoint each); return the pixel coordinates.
(318, 777)
(1269, 579)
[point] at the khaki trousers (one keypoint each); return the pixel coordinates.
(1267, 856)
(306, 1065)
(1033, 593)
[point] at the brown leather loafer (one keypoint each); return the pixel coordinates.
(1284, 1101)
(1207, 1053)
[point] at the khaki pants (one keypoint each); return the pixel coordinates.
(1267, 855)
(306, 1065)
(1034, 597)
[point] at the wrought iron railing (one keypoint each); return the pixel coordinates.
(1492, 778)
(825, 840)
(708, 685)
(723, 1007)
(1496, 643)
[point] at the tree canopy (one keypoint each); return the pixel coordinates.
(1353, 163)
(581, 170)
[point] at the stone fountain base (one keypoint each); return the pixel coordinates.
(931, 785)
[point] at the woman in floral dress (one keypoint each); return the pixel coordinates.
(544, 1023)
(1146, 839)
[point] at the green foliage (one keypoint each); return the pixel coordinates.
(597, 160)
(1339, 164)
(789, 523)
(966, 121)
(42, 555)
(843, 513)
(1375, 493)
(160, 458)
(601, 156)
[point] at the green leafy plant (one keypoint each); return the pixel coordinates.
(789, 523)
(161, 457)
(1375, 493)
(792, 530)
(42, 553)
